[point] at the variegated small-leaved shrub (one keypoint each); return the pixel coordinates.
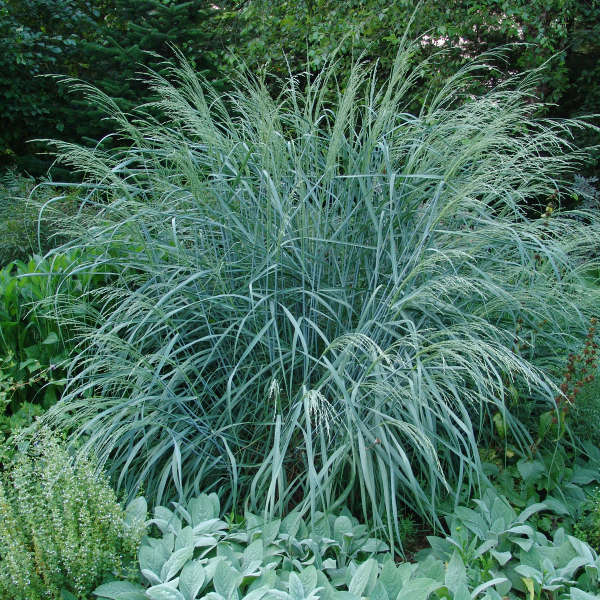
(61, 526)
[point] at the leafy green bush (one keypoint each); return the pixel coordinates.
(34, 349)
(197, 552)
(316, 303)
(559, 480)
(491, 553)
(61, 527)
(104, 42)
(588, 527)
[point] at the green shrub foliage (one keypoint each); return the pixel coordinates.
(105, 42)
(34, 349)
(61, 527)
(588, 526)
(317, 302)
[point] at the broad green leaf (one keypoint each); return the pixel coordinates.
(373, 545)
(442, 548)
(226, 580)
(164, 592)
(581, 548)
(501, 557)
(578, 594)
(216, 504)
(270, 530)
(418, 589)
(343, 595)
(295, 587)
(292, 524)
(308, 577)
(531, 510)
(530, 470)
(257, 594)
(364, 578)
(461, 593)
(529, 572)
(136, 511)
(253, 552)
(121, 590)
(342, 528)
(487, 584)
(52, 338)
(456, 574)
(583, 475)
(485, 547)
(185, 538)
(210, 526)
(202, 509)
(391, 578)
(379, 592)
(176, 562)
(191, 579)
(166, 520)
(152, 558)
(430, 568)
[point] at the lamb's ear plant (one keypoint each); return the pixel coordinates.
(492, 543)
(316, 300)
(491, 553)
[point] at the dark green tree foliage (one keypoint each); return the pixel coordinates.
(565, 32)
(105, 43)
(36, 37)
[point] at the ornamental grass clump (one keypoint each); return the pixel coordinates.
(315, 299)
(61, 527)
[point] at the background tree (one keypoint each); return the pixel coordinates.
(105, 43)
(565, 32)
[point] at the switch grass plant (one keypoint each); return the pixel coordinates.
(316, 295)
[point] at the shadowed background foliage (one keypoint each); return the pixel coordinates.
(107, 42)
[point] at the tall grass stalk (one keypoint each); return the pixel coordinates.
(316, 300)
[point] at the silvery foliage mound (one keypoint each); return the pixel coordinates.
(491, 554)
(316, 297)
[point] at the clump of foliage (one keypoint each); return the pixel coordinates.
(588, 526)
(585, 414)
(491, 553)
(491, 546)
(33, 350)
(580, 389)
(564, 32)
(101, 42)
(61, 526)
(560, 480)
(316, 300)
(196, 553)
(577, 405)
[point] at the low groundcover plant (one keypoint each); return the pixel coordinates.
(491, 553)
(316, 295)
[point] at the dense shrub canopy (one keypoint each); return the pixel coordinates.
(323, 302)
